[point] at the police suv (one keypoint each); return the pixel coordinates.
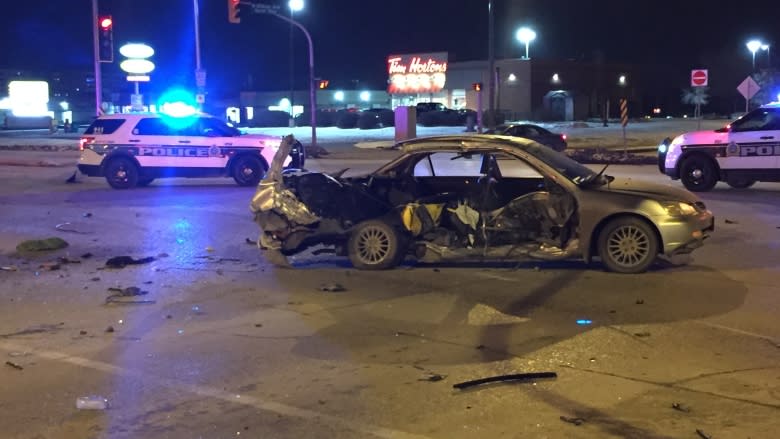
(741, 153)
(133, 149)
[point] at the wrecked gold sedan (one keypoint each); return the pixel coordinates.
(477, 197)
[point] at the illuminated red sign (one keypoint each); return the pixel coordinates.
(417, 73)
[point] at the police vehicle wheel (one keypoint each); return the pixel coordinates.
(698, 174)
(143, 182)
(121, 173)
(628, 245)
(740, 183)
(248, 171)
(374, 245)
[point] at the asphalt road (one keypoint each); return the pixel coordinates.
(230, 346)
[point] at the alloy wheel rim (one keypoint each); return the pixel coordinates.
(628, 246)
(373, 245)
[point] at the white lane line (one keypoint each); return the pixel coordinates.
(738, 331)
(495, 276)
(251, 401)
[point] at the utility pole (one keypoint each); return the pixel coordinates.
(96, 48)
(491, 67)
(200, 74)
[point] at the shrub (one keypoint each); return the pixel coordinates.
(266, 118)
(346, 119)
(324, 119)
(368, 120)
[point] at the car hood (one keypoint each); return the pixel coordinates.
(702, 138)
(644, 189)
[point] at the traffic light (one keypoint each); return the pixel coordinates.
(323, 84)
(477, 86)
(234, 11)
(105, 38)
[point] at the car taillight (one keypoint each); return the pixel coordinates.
(563, 137)
(83, 141)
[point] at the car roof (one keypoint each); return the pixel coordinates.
(469, 142)
(142, 114)
(771, 105)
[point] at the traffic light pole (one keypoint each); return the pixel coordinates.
(96, 48)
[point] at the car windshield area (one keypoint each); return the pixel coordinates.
(760, 119)
(571, 169)
(211, 126)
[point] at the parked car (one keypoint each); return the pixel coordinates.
(133, 149)
(477, 197)
(533, 132)
(741, 153)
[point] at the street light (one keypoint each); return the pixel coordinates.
(753, 47)
(768, 55)
(295, 6)
(526, 35)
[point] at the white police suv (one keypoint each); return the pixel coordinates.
(741, 153)
(133, 149)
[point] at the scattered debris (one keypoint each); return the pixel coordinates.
(123, 261)
(220, 272)
(702, 434)
(641, 334)
(95, 279)
(210, 249)
(40, 329)
(82, 332)
(14, 365)
(434, 377)
(110, 329)
(258, 325)
(680, 408)
(332, 288)
(436, 270)
(91, 403)
(40, 245)
(87, 215)
(86, 256)
(324, 251)
(67, 260)
(640, 301)
(9, 268)
(120, 293)
(575, 421)
(250, 242)
(480, 347)
(728, 221)
(70, 227)
(506, 378)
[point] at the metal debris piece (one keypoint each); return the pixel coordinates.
(121, 293)
(51, 266)
(9, 268)
(70, 227)
(480, 347)
(110, 329)
(39, 245)
(95, 279)
(86, 256)
(332, 288)
(14, 365)
(82, 332)
(250, 242)
(680, 408)
(87, 215)
(641, 334)
(532, 376)
(123, 261)
(702, 434)
(434, 377)
(575, 421)
(67, 260)
(728, 221)
(640, 301)
(40, 329)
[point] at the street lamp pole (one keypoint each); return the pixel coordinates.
(96, 48)
(768, 54)
(200, 86)
(491, 70)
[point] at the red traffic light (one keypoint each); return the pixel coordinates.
(323, 84)
(105, 23)
(477, 86)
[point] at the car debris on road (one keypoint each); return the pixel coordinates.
(522, 377)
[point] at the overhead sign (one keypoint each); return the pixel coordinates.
(748, 88)
(417, 73)
(136, 50)
(699, 78)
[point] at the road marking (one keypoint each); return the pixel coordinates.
(251, 401)
(495, 276)
(738, 331)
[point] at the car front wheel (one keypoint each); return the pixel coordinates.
(248, 171)
(628, 245)
(121, 173)
(374, 245)
(698, 174)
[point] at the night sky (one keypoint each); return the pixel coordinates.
(353, 37)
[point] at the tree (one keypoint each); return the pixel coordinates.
(767, 80)
(697, 96)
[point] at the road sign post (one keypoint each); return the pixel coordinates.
(624, 122)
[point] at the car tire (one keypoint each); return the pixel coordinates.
(740, 183)
(698, 173)
(121, 173)
(375, 245)
(248, 170)
(143, 182)
(628, 245)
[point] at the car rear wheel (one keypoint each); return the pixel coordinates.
(121, 173)
(740, 183)
(698, 174)
(374, 245)
(248, 170)
(628, 245)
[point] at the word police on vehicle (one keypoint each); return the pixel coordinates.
(741, 153)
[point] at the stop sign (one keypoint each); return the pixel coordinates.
(699, 78)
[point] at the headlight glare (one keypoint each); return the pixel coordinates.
(678, 208)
